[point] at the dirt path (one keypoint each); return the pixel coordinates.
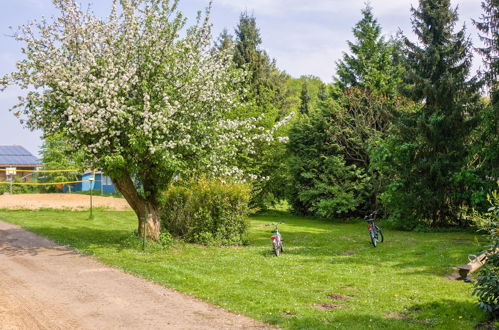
(46, 286)
(61, 201)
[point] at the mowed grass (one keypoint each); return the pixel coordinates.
(328, 277)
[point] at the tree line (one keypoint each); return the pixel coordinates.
(152, 101)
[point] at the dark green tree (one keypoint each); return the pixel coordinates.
(488, 131)
(372, 62)
(266, 81)
(321, 182)
(267, 86)
(488, 25)
(304, 99)
(224, 41)
(428, 154)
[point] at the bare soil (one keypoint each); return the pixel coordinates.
(47, 286)
(61, 201)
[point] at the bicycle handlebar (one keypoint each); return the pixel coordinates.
(370, 216)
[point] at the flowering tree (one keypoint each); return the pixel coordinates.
(143, 96)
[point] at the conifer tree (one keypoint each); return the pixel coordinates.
(488, 138)
(266, 81)
(371, 63)
(430, 151)
(268, 92)
(304, 99)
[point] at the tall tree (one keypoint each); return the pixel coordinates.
(488, 24)
(488, 136)
(266, 81)
(372, 63)
(304, 99)
(268, 92)
(142, 96)
(430, 150)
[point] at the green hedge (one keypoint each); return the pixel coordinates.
(207, 212)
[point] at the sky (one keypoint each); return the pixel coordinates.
(305, 37)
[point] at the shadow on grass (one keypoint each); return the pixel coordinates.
(419, 316)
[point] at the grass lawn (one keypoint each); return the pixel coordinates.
(329, 275)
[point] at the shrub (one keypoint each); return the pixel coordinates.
(487, 283)
(206, 212)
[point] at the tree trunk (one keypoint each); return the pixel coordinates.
(148, 211)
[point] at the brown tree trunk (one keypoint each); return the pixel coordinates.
(147, 210)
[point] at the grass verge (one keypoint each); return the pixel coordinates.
(329, 275)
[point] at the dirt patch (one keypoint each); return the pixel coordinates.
(327, 307)
(486, 325)
(47, 286)
(61, 201)
(396, 316)
(453, 277)
(288, 314)
(336, 296)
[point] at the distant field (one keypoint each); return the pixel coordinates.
(328, 277)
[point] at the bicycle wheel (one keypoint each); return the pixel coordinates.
(380, 234)
(282, 248)
(373, 238)
(277, 250)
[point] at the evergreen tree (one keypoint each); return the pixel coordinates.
(488, 132)
(225, 40)
(489, 28)
(372, 63)
(304, 99)
(429, 152)
(267, 87)
(266, 81)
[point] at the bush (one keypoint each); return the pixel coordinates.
(487, 283)
(207, 212)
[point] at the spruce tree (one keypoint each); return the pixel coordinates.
(304, 99)
(488, 137)
(488, 25)
(430, 151)
(266, 82)
(372, 63)
(267, 87)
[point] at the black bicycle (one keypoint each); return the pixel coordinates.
(375, 232)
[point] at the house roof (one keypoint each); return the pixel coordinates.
(17, 155)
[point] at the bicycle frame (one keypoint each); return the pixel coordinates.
(276, 239)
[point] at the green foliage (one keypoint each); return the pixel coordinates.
(304, 100)
(206, 212)
(18, 189)
(487, 283)
(489, 27)
(267, 91)
(330, 165)
(321, 181)
(309, 85)
(426, 158)
(58, 154)
(372, 63)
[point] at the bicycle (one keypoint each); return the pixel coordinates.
(276, 238)
(375, 232)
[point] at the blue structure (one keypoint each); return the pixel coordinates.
(102, 182)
